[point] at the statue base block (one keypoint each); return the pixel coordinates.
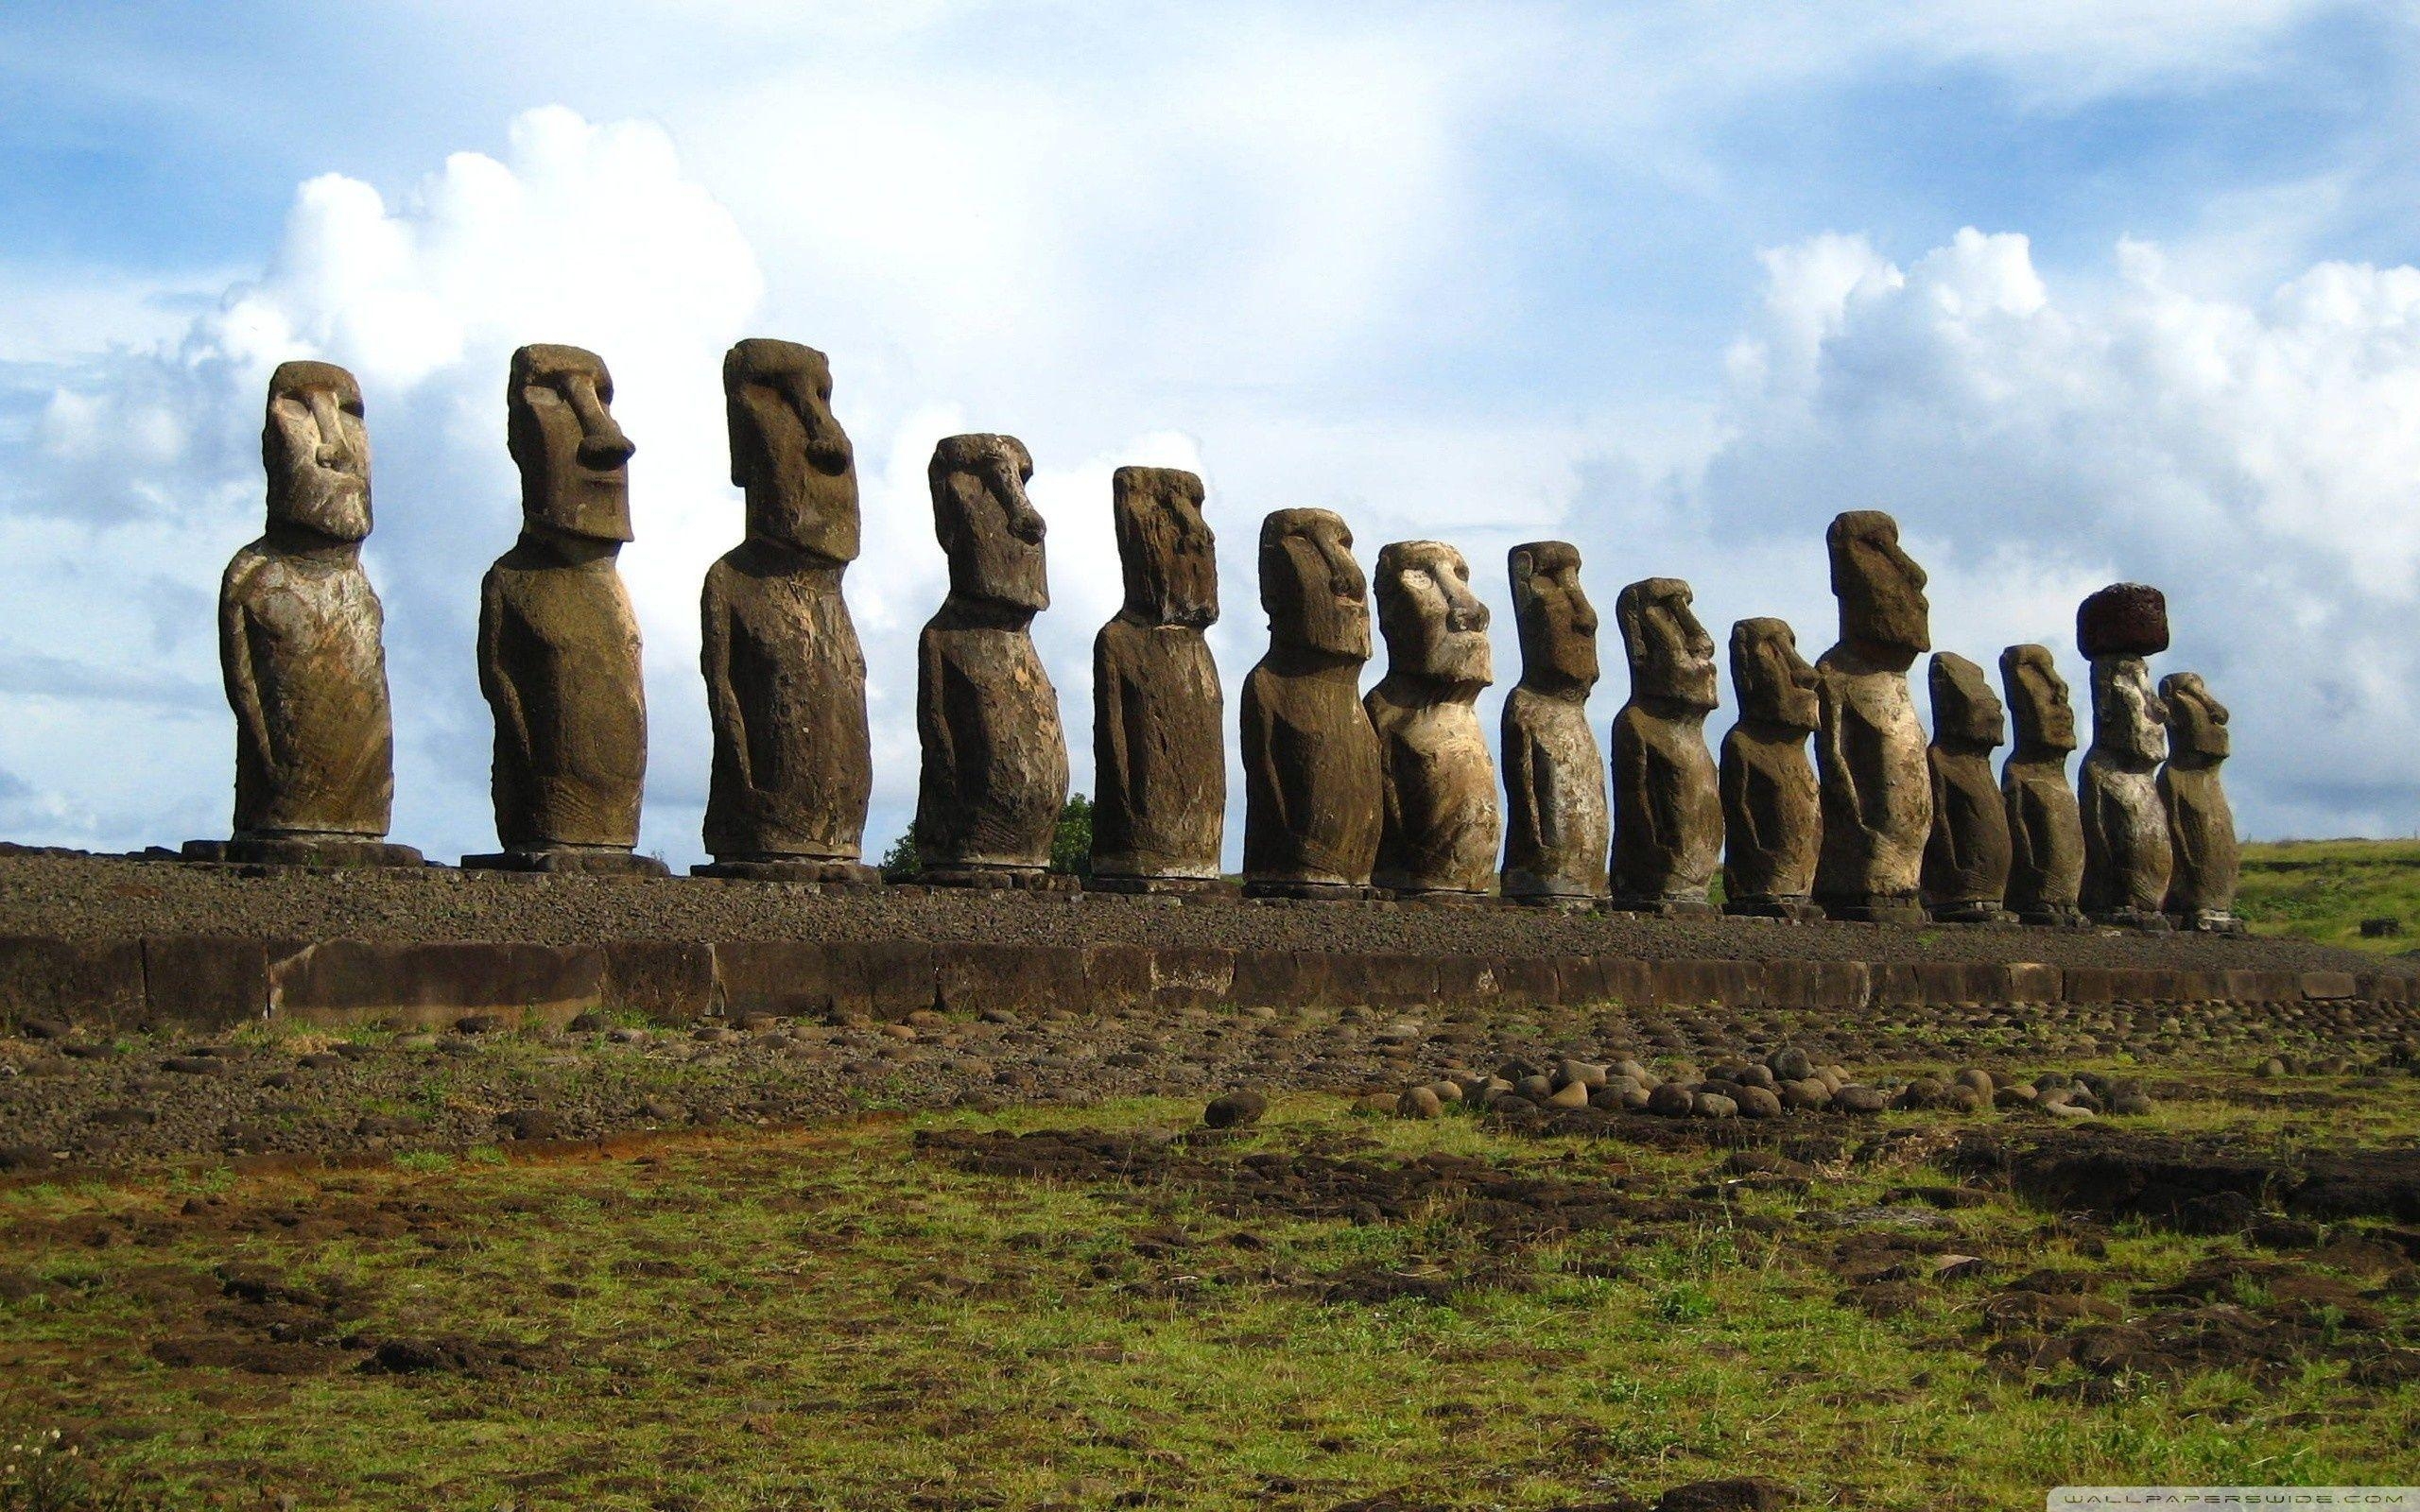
(297, 851)
(1174, 887)
(1561, 903)
(1973, 915)
(1875, 909)
(1304, 892)
(1021, 878)
(2211, 923)
(570, 862)
(1788, 910)
(2137, 919)
(1441, 898)
(1663, 907)
(2053, 918)
(821, 873)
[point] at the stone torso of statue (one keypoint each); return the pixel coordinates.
(786, 678)
(300, 642)
(2045, 825)
(1875, 782)
(2202, 883)
(995, 774)
(2126, 843)
(1312, 782)
(1558, 825)
(559, 643)
(1967, 861)
(1770, 821)
(1667, 801)
(1159, 717)
(1441, 825)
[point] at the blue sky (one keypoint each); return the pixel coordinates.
(2080, 292)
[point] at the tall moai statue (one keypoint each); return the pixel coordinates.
(2127, 854)
(786, 678)
(1441, 826)
(559, 643)
(1668, 799)
(1772, 818)
(1159, 718)
(2045, 827)
(1557, 825)
(995, 760)
(2201, 885)
(1967, 861)
(1870, 753)
(300, 645)
(1311, 767)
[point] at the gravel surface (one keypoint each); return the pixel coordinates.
(81, 897)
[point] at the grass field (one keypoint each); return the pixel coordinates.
(853, 1317)
(2322, 889)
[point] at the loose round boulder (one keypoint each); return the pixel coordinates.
(1419, 1102)
(1571, 1095)
(1713, 1105)
(1235, 1110)
(1759, 1102)
(1671, 1100)
(1790, 1063)
(1862, 1100)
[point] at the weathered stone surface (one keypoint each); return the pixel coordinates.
(1312, 785)
(2126, 848)
(1667, 801)
(995, 760)
(1877, 787)
(1771, 819)
(2124, 619)
(559, 643)
(344, 980)
(1966, 860)
(786, 680)
(300, 643)
(2045, 826)
(2201, 824)
(1159, 718)
(203, 982)
(1442, 823)
(1558, 825)
(97, 981)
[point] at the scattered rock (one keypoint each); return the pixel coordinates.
(1235, 1110)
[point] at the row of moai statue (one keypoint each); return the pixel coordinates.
(1345, 795)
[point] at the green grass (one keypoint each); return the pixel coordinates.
(833, 1320)
(2322, 891)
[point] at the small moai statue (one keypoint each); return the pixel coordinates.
(1870, 753)
(786, 678)
(995, 759)
(1668, 799)
(1159, 718)
(301, 646)
(2201, 824)
(1772, 815)
(1967, 861)
(2045, 827)
(2127, 853)
(1557, 825)
(1312, 796)
(559, 643)
(1442, 827)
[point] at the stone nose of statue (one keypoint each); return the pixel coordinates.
(601, 441)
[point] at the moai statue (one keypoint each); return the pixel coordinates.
(1311, 766)
(2201, 887)
(2045, 827)
(1441, 824)
(1870, 754)
(299, 647)
(1967, 861)
(2126, 848)
(996, 762)
(1159, 718)
(1557, 827)
(1771, 822)
(786, 680)
(559, 645)
(1667, 801)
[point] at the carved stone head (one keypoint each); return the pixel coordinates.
(316, 450)
(1169, 554)
(1317, 599)
(1672, 657)
(1557, 624)
(2038, 700)
(2197, 723)
(1880, 588)
(574, 459)
(986, 524)
(1774, 683)
(2128, 719)
(1436, 628)
(787, 452)
(1966, 715)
